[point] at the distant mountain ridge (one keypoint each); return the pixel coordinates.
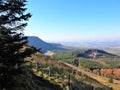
(42, 45)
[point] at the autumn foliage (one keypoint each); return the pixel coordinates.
(114, 73)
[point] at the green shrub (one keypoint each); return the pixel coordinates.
(110, 80)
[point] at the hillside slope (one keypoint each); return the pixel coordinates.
(95, 53)
(57, 72)
(38, 43)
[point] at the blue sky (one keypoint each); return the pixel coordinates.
(74, 20)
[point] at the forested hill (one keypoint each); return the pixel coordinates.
(95, 53)
(39, 43)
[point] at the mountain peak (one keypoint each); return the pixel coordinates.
(44, 46)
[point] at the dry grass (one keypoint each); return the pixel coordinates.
(115, 85)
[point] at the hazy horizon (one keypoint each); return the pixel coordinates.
(79, 20)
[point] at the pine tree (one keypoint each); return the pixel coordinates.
(12, 23)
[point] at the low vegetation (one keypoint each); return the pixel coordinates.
(97, 65)
(56, 72)
(70, 56)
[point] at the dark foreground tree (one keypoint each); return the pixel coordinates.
(12, 23)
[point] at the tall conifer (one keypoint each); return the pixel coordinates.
(12, 23)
